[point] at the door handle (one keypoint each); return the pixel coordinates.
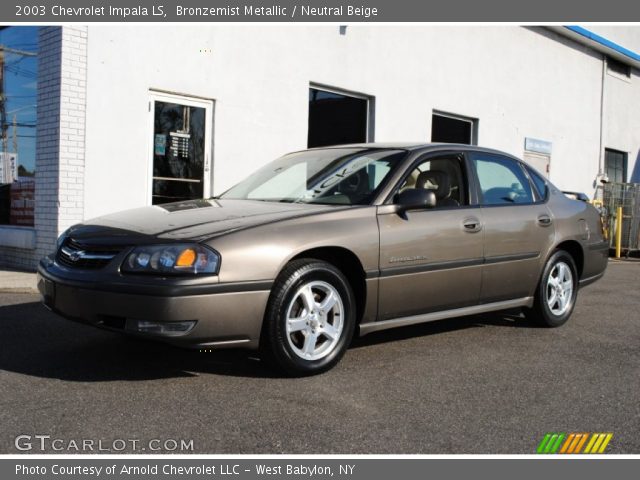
(544, 220)
(471, 225)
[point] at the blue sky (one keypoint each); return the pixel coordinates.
(21, 89)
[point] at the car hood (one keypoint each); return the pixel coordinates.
(194, 220)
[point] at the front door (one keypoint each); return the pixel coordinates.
(431, 260)
(180, 148)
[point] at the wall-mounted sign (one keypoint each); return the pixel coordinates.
(8, 167)
(538, 146)
(23, 202)
(180, 144)
(159, 144)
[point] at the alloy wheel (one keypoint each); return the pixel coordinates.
(559, 289)
(315, 320)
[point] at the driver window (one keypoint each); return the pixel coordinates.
(443, 175)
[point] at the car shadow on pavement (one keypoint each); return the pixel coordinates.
(36, 342)
(33, 341)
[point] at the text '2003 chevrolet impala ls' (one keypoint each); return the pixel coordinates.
(323, 243)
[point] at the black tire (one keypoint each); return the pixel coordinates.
(544, 314)
(283, 348)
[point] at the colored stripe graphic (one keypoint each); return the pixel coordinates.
(598, 442)
(582, 442)
(551, 442)
(564, 443)
(567, 443)
(556, 445)
(543, 443)
(574, 443)
(606, 441)
(591, 442)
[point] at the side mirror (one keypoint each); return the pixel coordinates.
(415, 199)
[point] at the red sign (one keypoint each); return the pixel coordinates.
(23, 202)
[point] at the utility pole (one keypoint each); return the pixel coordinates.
(15, 134)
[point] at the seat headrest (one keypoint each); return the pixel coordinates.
(356, 183)
(437, 181)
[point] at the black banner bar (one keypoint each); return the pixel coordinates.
(64, 11)
(358, 468)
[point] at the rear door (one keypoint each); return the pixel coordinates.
(518, 227)
(431, 260)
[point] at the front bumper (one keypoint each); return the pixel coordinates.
(226, 315)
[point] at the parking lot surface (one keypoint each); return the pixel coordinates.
(485, 384)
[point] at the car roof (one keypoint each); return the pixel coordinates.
(417, 146)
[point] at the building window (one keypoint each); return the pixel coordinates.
(618, 68)
(337, 118)
(449, 128)
(615, 165)
(18, 96)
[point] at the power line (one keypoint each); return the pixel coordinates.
(16, 62)
(18, 52)
(21, 72)
(24, 45)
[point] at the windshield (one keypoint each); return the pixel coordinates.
(342, 176)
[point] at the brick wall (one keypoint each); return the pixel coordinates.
(73, 87)
(48, 137)
(18, 258)
(62, 69)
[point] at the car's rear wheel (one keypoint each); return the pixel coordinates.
(556, 295)
(310, 318)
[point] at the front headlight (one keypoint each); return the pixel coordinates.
(172, 259)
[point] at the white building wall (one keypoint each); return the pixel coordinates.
(621, 125)
(519, 82)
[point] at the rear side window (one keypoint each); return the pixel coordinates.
(502, 180)
(539, 183)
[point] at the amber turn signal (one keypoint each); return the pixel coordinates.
(186, 258)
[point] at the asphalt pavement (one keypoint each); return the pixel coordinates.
(485, 384)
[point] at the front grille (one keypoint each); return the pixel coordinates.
(74, 254)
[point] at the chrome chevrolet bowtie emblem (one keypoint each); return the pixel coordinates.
(76, 255)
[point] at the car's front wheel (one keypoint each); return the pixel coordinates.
(310, 318)
(557, 291)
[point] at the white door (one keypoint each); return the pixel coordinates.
(180, 153)
(540, 162)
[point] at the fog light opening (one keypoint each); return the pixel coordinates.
(168, 329)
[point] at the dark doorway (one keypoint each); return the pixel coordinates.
(615, 165)
(449, 129)
(336, 119)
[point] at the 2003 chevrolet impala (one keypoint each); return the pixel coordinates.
(323, 243)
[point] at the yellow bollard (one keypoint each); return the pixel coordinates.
(618, 231)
